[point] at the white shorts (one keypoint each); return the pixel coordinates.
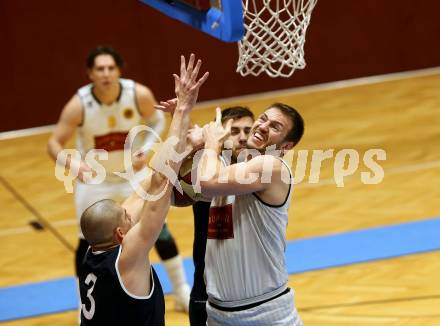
(280, 311)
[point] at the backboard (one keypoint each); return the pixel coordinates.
(222, 19)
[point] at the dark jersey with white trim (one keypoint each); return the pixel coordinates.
(105, 300)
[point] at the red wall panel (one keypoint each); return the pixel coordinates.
(44, 45)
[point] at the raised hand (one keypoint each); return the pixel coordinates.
(195, 137)
(214, 133)
(186, 85)
(167, 106)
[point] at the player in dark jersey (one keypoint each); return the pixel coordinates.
(243, 119)
(100, 115)
(118, 285)
(105, 301)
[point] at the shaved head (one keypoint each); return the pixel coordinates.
(100, 220)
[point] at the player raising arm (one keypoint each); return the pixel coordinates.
(245, 266)
(118, 284)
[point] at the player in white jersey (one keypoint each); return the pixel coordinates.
(242, 119)
(102, 113)
(244, 264)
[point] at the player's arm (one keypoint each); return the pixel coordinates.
(145, 101)
(143, 235)
(194, 138)
(71, 117)
(241, 178)
(150, 214)
(134, 203)
(149, 109)
(154, 119)
(236, 179)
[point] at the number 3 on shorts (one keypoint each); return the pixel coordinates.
(91, 278)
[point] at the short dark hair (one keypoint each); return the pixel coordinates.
(296, 132)
(236, 112)
(90, 62)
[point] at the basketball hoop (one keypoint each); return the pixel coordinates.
(275, 33)
(274, 30)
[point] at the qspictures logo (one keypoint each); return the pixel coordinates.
(345, 162)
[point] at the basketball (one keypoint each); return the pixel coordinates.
(189, 196)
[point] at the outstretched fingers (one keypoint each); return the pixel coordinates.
(182, 67)
(202, 80)
(189, 73)
(186, 85)
(195, 72)
(166, 106)
(189, 69)
(176, 84)
(218, 116)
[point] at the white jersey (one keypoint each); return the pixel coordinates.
(107, 126)
(245, 260)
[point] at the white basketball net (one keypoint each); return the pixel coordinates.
(275, 33)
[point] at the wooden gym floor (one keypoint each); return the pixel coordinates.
(401, 116)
